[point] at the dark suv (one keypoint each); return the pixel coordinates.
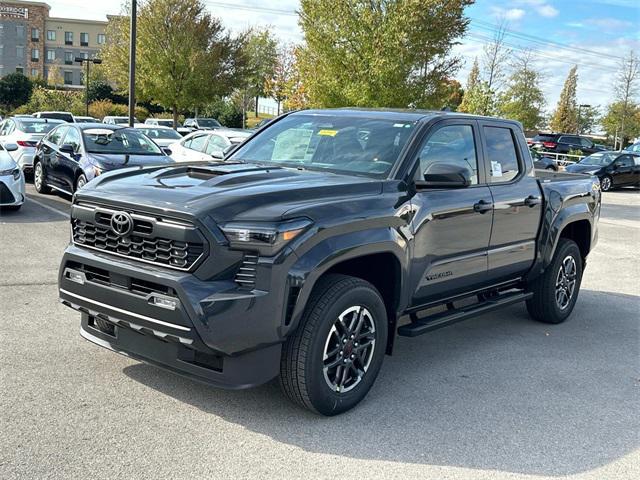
(563, 143)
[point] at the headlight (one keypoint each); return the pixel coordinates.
(14, 172)
(265, 237)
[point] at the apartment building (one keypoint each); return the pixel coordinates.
(33, 43)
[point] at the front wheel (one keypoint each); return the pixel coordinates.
(38, 179)
(606, 183)
(332, 359)
(81, 182)
(555, 292)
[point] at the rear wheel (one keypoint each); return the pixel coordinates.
(555, 292)
(332, 359)
(38, 178)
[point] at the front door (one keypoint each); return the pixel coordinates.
(451, 226)
(623, 170)
(517, 201)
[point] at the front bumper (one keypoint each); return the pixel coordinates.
(217, 332)
(12, 192)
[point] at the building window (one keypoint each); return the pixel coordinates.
(68, 78)
(102, 38)
(20, 52)
(35, 54)
(68, 38)
(51, 35)
(20, 31)
(84, 55)
(84, 39)
(35, 35)
(68, 58)
(51, 55)
(19, 70)
(34, 72)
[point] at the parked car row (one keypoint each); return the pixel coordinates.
(564, 143)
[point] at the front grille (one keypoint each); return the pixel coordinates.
(246, 275)
(153, 240)
(5, 194)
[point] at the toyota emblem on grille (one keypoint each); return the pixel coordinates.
(121, 223)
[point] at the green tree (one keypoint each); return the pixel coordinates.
(626, 90)
(277, 86)
(379, 53)
(15, 90)
(588, 118)
(184, 55)
(262, 56)
(611, 122)
(523, 99)
(475, 98)
(495, 56)
(565, 117)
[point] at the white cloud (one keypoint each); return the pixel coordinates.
(547, 11)
(514, 14)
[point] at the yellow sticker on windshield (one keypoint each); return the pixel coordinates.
(328, 133)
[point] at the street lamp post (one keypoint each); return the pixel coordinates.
(87, 61)
(580, 107)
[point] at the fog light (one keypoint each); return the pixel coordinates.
(76, 277)
(162, 302)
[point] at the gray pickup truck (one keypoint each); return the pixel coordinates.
(320, 239)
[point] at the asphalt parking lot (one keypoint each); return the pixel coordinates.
(499, 396)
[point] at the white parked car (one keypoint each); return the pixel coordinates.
(25, 133)
(110, 120)
(64, 116)
(165, 122)
(12, 193)
(204, 146)
(162, 136)
(86, 119)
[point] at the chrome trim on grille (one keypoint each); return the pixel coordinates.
(126, 312)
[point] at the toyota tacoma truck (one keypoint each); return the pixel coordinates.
(312, 245)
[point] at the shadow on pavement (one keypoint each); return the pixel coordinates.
(41, 210)
(499, 392)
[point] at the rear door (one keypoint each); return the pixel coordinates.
(451, 226)
(516, 197)
(50, 160)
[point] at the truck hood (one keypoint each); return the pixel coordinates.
(223, 191)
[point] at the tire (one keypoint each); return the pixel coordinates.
(81, 181)
(548, 304)
(11, 208)
(304, 376)
(38, 179)
(606, 183)
(550, 167)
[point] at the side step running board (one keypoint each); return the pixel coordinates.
(449, 317)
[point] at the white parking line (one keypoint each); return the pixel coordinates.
(47, 207)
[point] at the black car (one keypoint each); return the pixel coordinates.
(614, 169)
(74, 154)
(542, 161)
(564, 143)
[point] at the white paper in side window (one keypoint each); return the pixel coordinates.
(496, 169)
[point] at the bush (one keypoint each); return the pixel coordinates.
(60, 100)
(15, 90)
(226, 112)
(106, 108)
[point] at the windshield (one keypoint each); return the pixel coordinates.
(36, 127)
(600, 159)
(161, 133)
(208, 123)
(124, 141)
(367, 146)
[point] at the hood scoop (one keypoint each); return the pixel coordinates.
(190, 175)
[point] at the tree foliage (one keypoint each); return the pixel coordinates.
(626, 90)
(15, 90)
(476, 98)
(523, 99)
(261, 51)
(565, 117)
(379, 53)
(611, 121)
(278, 86)
(184, 55)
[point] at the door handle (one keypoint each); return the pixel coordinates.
(483, 206)
(531, 201)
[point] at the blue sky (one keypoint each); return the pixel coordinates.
(592, 33)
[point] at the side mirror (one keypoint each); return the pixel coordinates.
(218, 155)
(167, 151)
(11, 147)
(445, 175)
(68, 149)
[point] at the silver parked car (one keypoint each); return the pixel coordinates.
(207, 145)
(25, 133)
(162, 136)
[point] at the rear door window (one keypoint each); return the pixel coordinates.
(197, 143)
(57, 135)
(502, 154)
